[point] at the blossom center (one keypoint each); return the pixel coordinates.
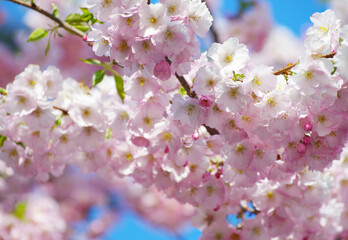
(123, 46)
(21, 100)
(271, 102)
(321, 118)
(228, 59)
(172, 9)
(256, 81)
(233, 92)
(147, 121)
(190, 109)
(153, 20)
(142, 81)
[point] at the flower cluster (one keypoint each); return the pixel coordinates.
(138, 35)
(245, 140)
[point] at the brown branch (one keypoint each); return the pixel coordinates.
(183, 82)
(65, 112)
(186, 86)
(291, 65)
(330, 55)
(148, 2)
(284, 70)
(60, 23)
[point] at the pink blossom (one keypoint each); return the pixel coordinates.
(162, 70)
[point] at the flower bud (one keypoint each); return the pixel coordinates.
(308, 126)
(301, 148)
(162, 70)
(204, 101)
(306, 139)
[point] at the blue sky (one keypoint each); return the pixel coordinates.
(295, 14)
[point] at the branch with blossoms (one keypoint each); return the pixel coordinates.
(60, 23)
(275, 136)
(180, 78)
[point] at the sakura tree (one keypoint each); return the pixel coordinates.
(206, 134)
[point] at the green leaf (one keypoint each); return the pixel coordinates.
(37, 35)
(58, 122)
(92, 61)
(20, 144)
(47, 49)
(87, 15)
(3, 91)
(20, 209)
(182, 91)
(334, 70)
(74, 19)
(108, 134)
(98, 76)
(340, 40)
(55, 11)
(83, 28)
(2, 140)
(119, 86)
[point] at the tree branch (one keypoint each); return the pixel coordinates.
(291, 65)
(62, 24)
(284, 70)
(65, 112)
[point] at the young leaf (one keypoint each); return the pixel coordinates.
(83, 28)
(20, 144)
(108, 134)
(87, 15)
(47, 47)
(55, 11)
(37, 35)
(3, 91)
(19, 210)
(119, 86)
(98, 77)
(2, 140)
(73, 19)
(182, 91)
(92, 61)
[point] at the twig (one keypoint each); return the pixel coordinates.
(330, 55)
(291, 65)
(183, 82)
(62, 24)
(148, 2)
(284, 70)
(186, 86)
(65, 112)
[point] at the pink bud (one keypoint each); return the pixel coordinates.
(307, 139)
(84, 38)
(308, 126)
(204, 101)
(301, 148)
(217, 208)
(140, 141)
(218, 174)
(205, 175)
(195, 136)
(166, 150)
(162, 70)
